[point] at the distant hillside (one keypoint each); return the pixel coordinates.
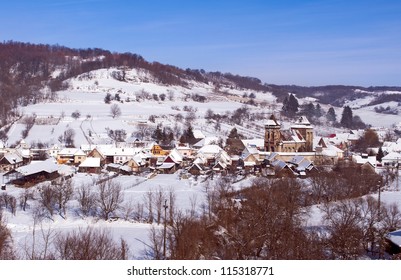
(338, 95)
(30, 73)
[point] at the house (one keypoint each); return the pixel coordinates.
(96, 153)
(121, 169)
(71, 156)
(90, 165)
(156, 150)
(300, 165)
(174, 157)
(394, 240)
(167, 168)
(222, 162)
(392, 159)
(326, 148)
(34, 173)
(196, 169)
(279, 168)
(364, 160)
(258, 143)
(10, 161)
(185, 150)
(137, 163)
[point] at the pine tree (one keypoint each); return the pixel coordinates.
(318, 111)
(233, 134)
(379, 155)
(346, 117)
(308, 110)
(107, 98)
(290, 105)
(331, 115)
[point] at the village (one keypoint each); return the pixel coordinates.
(295, 152)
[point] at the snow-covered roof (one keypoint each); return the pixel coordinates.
(392, 156)
(210, 149)
(198, 134)
(362, 160)
(13, 158)
(68, 151)
(80, 153)
(271, 123)
(279, 164)
(395, 237)
(206, 141)
(166, 165)
(175, 156)
(24, 152)
(249, 151)
(34, 167)
(303, 120)
(90, 162)
(332, 151)
(272, 156)
(297, 159)
(256, 143)
(392, 146)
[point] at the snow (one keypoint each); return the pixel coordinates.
(86, 94)
(90, 162)
(48, 166)
(134, 188)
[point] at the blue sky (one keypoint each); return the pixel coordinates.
(282, 42)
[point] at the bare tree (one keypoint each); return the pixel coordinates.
(155, 249)
(63, 193)
(26, 195)
(47, 199)
(158, 204)
(345, 229)
(9, 202)
(110, 198)
(149, 205)
(115, 111)
(87, 199)
(68, 137)
(90, 244)
(6, 242)
(143, 131)
(128, 209)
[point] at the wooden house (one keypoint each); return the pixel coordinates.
(34, 173)
(10, 161)
(90, 165)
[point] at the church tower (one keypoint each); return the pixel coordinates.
(272, 135)
(304, 127)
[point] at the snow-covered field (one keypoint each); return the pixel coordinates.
(189, 196)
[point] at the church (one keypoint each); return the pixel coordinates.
(299, 138)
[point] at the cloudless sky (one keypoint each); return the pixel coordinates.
(351, 42)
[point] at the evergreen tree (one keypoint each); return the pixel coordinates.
(346, 117)
(331, 115)
(158, 133)
(308, 110)
(290, 105)
(234, 134)
(318, 111)
(379, 155)
(188, 136)
(107, 98)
